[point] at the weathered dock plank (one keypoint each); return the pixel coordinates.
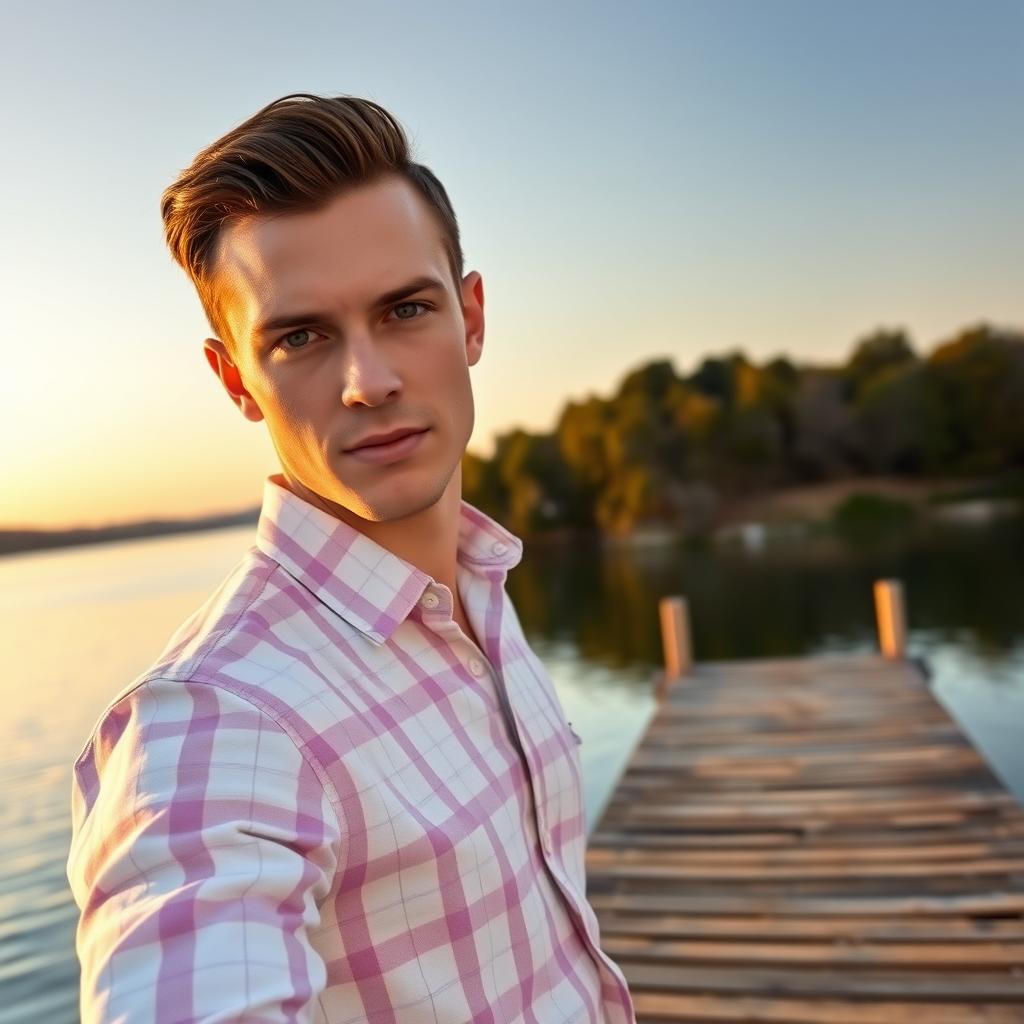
(811, 841)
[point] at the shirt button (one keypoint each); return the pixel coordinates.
(476, 666)
(429, 600)
(499, 548)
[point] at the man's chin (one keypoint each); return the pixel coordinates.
(389, 511)
(386, 501)
(381, 507)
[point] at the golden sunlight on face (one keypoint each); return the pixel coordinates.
(347, 324)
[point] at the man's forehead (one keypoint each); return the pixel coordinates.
(348, 253)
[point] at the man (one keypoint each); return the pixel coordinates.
(346, 790)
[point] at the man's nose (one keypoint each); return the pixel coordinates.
(368, 378)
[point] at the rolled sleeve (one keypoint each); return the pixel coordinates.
(203, 843)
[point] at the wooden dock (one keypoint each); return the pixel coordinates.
(811, 841)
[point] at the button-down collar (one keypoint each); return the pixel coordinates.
(370, 587)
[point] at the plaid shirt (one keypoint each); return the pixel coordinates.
(325, 803)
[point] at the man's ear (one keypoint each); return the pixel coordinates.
(473, 315)
(221, 364)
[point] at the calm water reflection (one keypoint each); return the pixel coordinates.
(965, 600)
(76, 625)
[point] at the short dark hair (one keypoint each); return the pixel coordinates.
(297, 154)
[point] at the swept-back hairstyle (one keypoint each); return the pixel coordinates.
(295, 155)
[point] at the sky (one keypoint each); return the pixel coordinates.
(655, 180)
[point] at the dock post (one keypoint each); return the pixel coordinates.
(890, 612)
(675, 641)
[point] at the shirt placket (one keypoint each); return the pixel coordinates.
(483, 663)
(571, 897)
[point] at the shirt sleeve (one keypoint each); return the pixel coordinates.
(203, 844)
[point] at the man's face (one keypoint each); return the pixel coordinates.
(330, 346)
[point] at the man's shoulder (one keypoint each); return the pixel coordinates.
(207, 639)
(253, 584)
(214, 677)
(253, 636)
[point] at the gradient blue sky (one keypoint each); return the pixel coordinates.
(659, 179)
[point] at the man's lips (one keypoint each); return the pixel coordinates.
(392, 451)
(379, 440)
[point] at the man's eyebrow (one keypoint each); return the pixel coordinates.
(277, 323)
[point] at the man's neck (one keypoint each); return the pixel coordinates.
(429, 539)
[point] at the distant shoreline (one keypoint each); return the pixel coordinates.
(803, 503)
(13, 542)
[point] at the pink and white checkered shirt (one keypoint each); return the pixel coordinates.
(325, 803)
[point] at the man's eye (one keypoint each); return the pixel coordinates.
(303, 335)
(409, 305)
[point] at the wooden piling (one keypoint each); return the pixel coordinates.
(890, 612)
(675, 641)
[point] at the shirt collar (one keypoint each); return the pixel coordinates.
(368, 586)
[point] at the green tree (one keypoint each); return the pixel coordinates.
(879, 353)
(533, 476)
(653, 381)
(898, 422)
(481, 485)
(826, 437)
(977, 381)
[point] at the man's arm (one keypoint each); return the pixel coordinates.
(202, 846)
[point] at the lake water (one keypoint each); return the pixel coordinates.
(77, 624)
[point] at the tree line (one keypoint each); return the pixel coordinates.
(671, 449)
